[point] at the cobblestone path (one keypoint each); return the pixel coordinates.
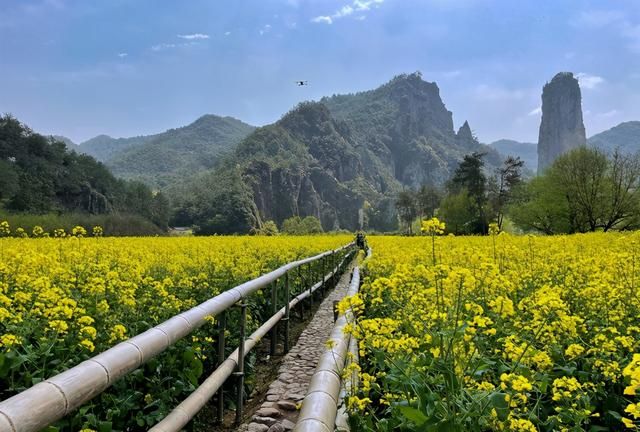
(279, 412)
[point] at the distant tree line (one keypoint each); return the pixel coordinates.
(469, 201)
(38, 175)
(584, 190)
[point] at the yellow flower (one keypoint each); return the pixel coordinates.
(118, 332)
(89, 332)
(433, 226)
(8, 340)
(494, 229)
(59, 326)
(628, 423)
(79, 231)
(97, 231)
(573, 351)
(86, 343)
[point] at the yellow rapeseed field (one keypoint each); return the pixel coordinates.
(65, 299)
(499, 333)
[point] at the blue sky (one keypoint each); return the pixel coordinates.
(122, 67)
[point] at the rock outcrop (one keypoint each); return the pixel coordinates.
(561, 128)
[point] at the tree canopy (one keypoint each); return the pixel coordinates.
(39, 175)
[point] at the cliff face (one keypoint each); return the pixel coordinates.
(561, 128)
(406, 127)
(302, 165)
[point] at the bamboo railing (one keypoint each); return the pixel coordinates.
(56, 397)
(319, 409)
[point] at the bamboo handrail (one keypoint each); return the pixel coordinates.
(320, 405)
(184, 412)
(57, 396)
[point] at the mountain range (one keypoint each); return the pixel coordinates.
(342, 159)
(338, 159)
(161, 159)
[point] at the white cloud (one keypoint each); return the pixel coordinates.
(123, 54)
(322, 19)
(361, 17)
(363, 5)
(535, 112)
(588, 81)
(194, 36)
(347, 10)
(163, 46)
(227, 33)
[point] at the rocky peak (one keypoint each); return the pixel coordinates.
(465, 138)
(420, 101)
(464, 133)
(561, 128)
(308, 118)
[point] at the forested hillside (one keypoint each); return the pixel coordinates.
(103, 147)
(161, 159)
(40, 175)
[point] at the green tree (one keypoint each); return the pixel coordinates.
(39, 175)
(428, 200)
(160, 210)
(296, 225)
(584, 190)
(602, 192)
(508, 177)
(268, 228)
(407, 208)
(457, 212)
(470, 178)
(541, 205)
(8, 180)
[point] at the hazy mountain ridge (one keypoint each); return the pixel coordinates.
(163, 158)
(104, 147)
(528, 152)
(67, 141)
(625, 137)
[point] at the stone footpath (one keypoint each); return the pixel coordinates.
(280, 410)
